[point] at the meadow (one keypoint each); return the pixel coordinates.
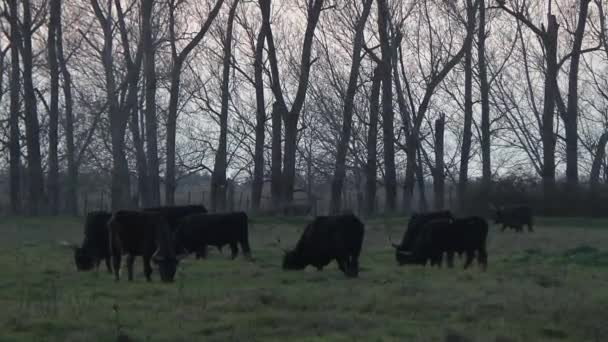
(550, 285)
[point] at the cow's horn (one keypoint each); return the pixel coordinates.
(67, 244)
(279, 245)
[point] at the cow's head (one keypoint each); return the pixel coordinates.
(293, 260)
(403, 256)
(167, 266)
(84, 259)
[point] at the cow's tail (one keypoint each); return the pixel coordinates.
(245, 237)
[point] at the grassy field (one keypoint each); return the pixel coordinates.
(551, 285)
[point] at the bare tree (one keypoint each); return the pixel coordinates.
(290, 117)
(484, 90)
(36, 196)
(53, 172)
(372, 137)
(218, 179)
(347, 115)
(390, 176)
(15, 107)
(178, 59)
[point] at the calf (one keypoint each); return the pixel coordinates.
(174, 213)
(414, 228)
(515, 217)
(95, 245)
(146, 234)
(439, 236)
(196, 232)
(325, 239)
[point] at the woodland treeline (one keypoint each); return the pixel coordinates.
(281, 95)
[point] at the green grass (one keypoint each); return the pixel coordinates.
(551, 285)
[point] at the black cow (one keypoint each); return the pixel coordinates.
(414, 227)
(95, 245)
(439, 236)
(515, 217)
(146, 234)
(325, 239)
(174, 213)
(195, 232)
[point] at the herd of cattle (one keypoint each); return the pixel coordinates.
(165, 235)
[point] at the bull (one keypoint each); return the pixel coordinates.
(174, 213)
(325, 239)
(515, 217)
(145, 234)
(195, 232)
(95, 245)
(414, 228)
(439, 236)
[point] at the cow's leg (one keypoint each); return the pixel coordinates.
(450, 259)
(530, 228)
(246, 249)
(147, 267)
(354, 265)
(116, 259)
(202, 252)
(108, 265)
(470, 257)
(130, 260)
(504, 226)
(343, 264)
(482, 258)
(234, 248)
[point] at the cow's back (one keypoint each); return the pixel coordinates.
(96, 235)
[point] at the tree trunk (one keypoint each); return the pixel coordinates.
(347, 116)
(372, 143)
(276, 168)
(149, 51)
(423, 205)
(218, 178)
(175, 76)
(72, 181)
(257, 185)
(548, 134)
(598, 159)
(572, 110)
(120, 187)
(140, 154)
(32, 126)
(390, 176)
(170, 184)
(465, 152)
(484, 90)
(15, 106)
(53, 173)
(439, 170)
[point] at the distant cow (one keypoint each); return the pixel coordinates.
(146, 234)
(515, 217)
(325, 239)
(439, 236)
(95, 245)
(175, 213)
(195, 232)
(414, 227)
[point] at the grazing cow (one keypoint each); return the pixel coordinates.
(325, 239)
(439, 236)
(175, 213)
(414, 227)
(196, 232)
(95, 245)
(515, 217)
(146, 234)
